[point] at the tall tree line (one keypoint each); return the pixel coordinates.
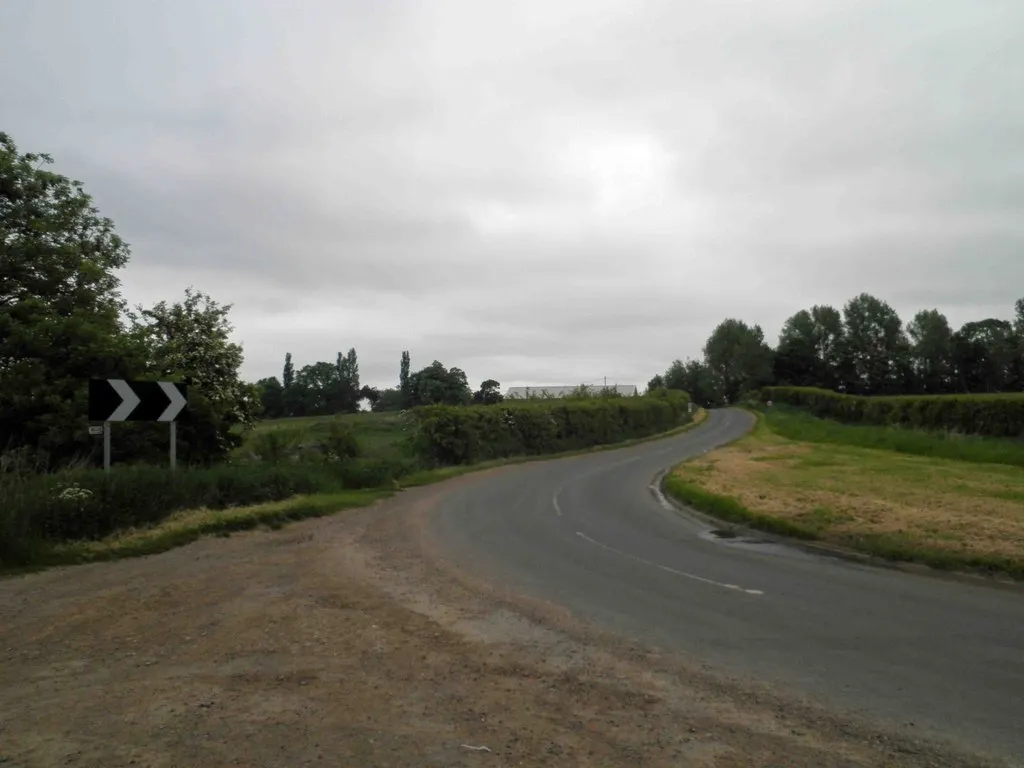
(324, 388)
(864, 348)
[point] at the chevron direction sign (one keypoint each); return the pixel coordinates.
(121, 400)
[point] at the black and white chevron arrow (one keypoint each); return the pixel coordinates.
(121, 400)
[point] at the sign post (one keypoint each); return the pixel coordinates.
(174, 446)
(120, 400)
(106, 446)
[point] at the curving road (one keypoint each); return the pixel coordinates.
(939, 656)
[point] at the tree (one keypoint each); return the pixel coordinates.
(388, 400)
(695, 378)
(1018, 329)
(60, 307)
(190, 340)
(796, 359)
(348, 395)
(985, 354)
(436, 384)
(403, 379)
(489, 393)
(656, 382)
(291, 397)
(288, 376)
(931, 352)
(738, 357)
(317, 385)
(810, 349)
(877, 348)
(271, 394)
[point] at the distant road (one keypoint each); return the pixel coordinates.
(935, 655)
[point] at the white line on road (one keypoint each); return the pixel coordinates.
(554, 501)
(734, 587)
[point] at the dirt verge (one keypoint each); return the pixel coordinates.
(348, 641)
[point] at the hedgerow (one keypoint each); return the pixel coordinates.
(452, 435)
(997, 415)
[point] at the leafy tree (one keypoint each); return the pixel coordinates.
(190, 340)
(796, 359)
(810, 348)
(60, 309)
(931, 352)
(985, 354)
(288, 376)
(738, 357)
(1018, 328)
(878, 350)
(436, 384)
(489, 393)
(271, 394)
(657, 382)
(292, 398)
(388, 400)
(348, 396)
(403, 379)
(697, 379)
(317, 385)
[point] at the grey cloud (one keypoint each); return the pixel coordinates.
(434, 168)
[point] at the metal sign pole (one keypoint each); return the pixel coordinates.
(174, 445)
(106, 446)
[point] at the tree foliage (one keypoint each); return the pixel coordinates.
(437, 385)
(489, 393)
(865, 349)
(60, 309)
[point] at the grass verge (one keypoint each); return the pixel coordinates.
(944, 513)
(187, 526)
(799, 425)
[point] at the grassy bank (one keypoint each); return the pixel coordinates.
(892, 493)
(286, 470)
(799, 425)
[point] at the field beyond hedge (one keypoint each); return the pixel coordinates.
(845, 485)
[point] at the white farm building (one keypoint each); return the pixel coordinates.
(627, 390)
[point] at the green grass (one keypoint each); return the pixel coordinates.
(799, 425)
(380, 434)
(839, 486)
(188, 526)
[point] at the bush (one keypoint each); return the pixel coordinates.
(91, 504)
(999, 415)
(452, 435)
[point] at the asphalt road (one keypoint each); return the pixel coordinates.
(940, 657)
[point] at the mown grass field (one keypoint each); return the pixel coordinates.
(944, 500)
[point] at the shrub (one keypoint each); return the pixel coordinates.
(451, 435)
(1000, 415)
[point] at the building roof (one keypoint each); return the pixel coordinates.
(626, 390)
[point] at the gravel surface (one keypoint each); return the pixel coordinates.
(347, 641)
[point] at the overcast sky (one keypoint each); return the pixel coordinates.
(538, 192)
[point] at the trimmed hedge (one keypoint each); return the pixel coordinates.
(999, 415)
(455, 435)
